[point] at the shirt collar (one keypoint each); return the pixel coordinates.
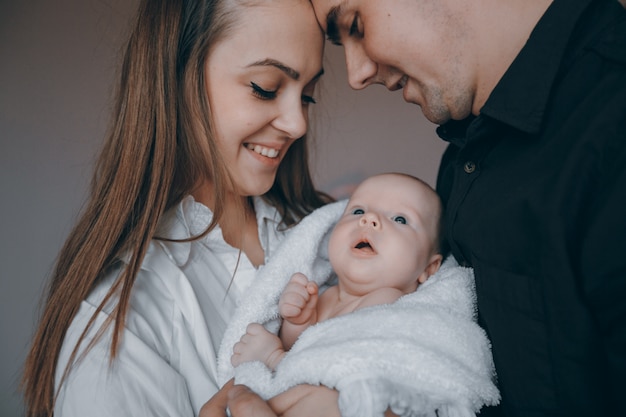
(521, 96)
(265, 211)
(177, 224)
(190, 218)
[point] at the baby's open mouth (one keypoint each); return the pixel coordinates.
(364, 246)
(262, 150)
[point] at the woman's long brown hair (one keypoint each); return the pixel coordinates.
(160, 146)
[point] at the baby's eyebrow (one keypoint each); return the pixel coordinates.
(332, 29)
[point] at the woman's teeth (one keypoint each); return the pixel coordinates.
(269, 152)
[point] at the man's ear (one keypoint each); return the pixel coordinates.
(433, 266)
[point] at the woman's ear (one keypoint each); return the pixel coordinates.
(433, 266)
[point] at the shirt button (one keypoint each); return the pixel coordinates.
(469, 167)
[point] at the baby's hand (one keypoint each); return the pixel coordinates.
(298, 301)
(258, 345)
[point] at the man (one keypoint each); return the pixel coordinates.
(531, 95)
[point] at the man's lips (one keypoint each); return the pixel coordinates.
(403, 81)
(397, 84)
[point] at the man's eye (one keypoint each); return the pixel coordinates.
(262, 93)
(358, 212)
(354, 27)
(399, 219)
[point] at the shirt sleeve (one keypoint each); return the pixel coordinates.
(139, 382)
(165, 364)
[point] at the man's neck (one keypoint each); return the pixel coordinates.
(502, 33)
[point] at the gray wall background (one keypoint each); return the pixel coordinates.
(57, 65)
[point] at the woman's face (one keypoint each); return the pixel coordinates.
(260, 83)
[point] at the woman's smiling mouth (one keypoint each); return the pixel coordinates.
(262, 150)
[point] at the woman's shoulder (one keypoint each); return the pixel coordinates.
(155, 341)
(152, 307)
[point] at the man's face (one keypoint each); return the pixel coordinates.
(419, 47)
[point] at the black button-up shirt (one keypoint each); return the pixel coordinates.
(535, 196)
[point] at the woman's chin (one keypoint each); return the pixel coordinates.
(258, 189)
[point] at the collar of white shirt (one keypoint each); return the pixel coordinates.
(190, 218)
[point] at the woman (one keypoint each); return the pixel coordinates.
(203, 171)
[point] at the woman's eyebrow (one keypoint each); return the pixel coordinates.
(291, 73)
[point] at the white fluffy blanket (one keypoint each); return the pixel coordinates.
(422, 353)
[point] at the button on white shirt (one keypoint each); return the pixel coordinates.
(180, 305)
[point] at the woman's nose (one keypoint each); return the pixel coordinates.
(361, 69)
(293, 119)
(370, 220)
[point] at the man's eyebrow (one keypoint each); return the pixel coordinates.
(332, 29)
(292, 73)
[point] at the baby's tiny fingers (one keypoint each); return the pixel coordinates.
(289, 310)
(254, 328)
(235, 359)
(311, 288)
(238, 347)
(299, 278)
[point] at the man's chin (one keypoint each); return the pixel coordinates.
(437, 118)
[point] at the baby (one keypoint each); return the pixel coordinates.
(384, 246)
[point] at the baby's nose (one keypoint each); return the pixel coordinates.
(370, 219)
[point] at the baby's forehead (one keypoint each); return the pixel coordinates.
(393, 192)
(399, 185)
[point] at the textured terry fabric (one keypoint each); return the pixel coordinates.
(421, 355)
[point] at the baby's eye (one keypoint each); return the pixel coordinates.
(358, 211)
(399, 219)
(262, 93)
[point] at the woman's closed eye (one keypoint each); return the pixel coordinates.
(262, 93)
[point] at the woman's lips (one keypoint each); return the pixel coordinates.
(263, 150)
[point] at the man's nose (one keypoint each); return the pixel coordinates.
(361, 69)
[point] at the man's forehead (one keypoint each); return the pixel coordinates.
(328, 14)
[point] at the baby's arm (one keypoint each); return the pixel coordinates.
(258, 345)
(298, 307)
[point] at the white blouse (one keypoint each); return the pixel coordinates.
(180, 305)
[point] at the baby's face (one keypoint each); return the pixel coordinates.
(386, 235)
